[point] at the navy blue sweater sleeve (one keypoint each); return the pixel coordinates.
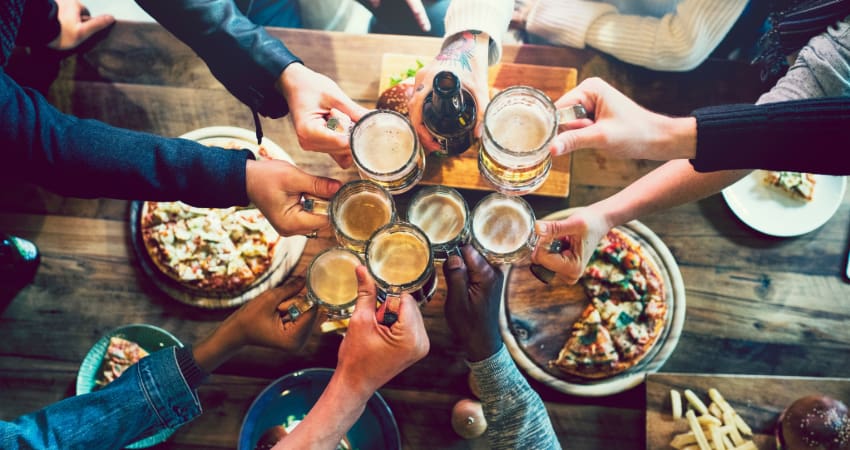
(242, 55)
(87, 158)
(802, 135)
(39, 25)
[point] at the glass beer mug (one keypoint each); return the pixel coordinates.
(441, 212)
(386, 150)
(503, 228)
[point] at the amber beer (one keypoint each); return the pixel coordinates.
(386, 150)
(400, 260)
(519, 124)
(358, 209)
(440, 212)
(503, 228)
(332, 283)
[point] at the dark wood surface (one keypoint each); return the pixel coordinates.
(755, 304)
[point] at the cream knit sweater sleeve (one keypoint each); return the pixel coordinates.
(488, 16)
(679, 41)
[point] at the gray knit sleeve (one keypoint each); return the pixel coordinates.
(516, 417)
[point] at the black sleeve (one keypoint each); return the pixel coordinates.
(802, 135)
(39, 24)
(87, 158)
(242, 55)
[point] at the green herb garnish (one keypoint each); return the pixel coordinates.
(394, 80)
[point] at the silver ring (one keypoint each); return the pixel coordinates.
(313, 235)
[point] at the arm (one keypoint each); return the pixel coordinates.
(369, 356)
(678, 41)
(516, 417)
(159, 391)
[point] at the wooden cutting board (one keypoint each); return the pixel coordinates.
(758, 399)
(462, 171)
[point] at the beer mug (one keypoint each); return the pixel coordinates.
(332, 283)
(503, 228)
(519, 124)
(356, 210)
(400, 260)
(441, 212)
(386, 150)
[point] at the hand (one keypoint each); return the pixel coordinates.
(275, 187)
(416, 7)
(371, 354)
(621, 127)
(312, 97)
(258, 322)
(474, 290)
(76, 25)
(580, 232)
(466, 54)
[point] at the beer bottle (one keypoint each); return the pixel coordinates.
(449, 114)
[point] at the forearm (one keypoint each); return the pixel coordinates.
(487, 16)
(673, 184)
(336, 411)
(218, 347)
(516, 417)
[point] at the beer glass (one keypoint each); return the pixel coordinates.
(519, 124)
(441, 212)
(386, 150)
(400, 260)
(332, 283)
(503, 228)
(356, 210)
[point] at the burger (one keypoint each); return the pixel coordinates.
(814, 422)
(396, 97)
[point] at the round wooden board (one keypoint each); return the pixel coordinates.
(286, 255)
(536, 319)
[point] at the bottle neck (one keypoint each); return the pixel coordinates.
(447, 97)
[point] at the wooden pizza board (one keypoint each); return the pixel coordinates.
(462, 171)
(758, 399)
(537, 318)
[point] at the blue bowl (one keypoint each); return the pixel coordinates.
(294, 394)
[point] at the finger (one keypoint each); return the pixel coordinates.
(482, 98)
(572, 140)
(93, 25)
(367, 294)
(292, 286)
(548, 229)
(300, 181)
(455, 272)
(478, 267)
(343, 160)
(316, 136)
(409, 314)
(349, 107)
(587, 93)
(387, 314)
(419, 13)
(414, 108)
(297, 221)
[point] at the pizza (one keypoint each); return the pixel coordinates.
(625, 314)
(211, 251)
(797, 185)
(120, 355)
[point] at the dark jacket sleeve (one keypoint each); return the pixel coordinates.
(241, 54)
(87, 158)
(39, 24)
(802, 135)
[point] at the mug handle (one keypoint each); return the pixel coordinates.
(542, 273)
(315, 205)
(298, 307)
(571, 113)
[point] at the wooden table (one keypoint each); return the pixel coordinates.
(755, 304)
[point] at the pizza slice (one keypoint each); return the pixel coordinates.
(589, 350)
(120, 355)
(797, 185)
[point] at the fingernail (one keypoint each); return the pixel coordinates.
(541, 228)
(454, 262)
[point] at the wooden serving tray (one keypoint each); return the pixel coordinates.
(758, 399)
(536, 320)
(462, 171)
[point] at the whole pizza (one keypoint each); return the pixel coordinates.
(625, 315)
(210, 250)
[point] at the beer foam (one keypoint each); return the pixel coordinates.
(398, 258)
(519, 127)
(332, 277)
(440, 216)
(361, 214)
(501, 226)
(384, 145)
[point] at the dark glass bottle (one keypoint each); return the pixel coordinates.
(19, 260)
(449, 114)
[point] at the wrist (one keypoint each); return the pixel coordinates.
(358, 389)
(290, 77)
(678, 138)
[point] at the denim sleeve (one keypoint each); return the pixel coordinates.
(241, 54)
(150, 396)
(516, 417)
(87, 158)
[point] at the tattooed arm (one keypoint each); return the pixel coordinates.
(471, 44)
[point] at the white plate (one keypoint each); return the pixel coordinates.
(770, 211)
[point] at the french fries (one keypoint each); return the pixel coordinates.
(714, 427)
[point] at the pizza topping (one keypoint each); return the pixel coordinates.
(120, 355)
(798, 185)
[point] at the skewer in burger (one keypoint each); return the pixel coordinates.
(814, 422)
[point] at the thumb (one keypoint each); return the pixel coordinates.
(367, 296)
(299, 181)
(557, 228)
(95, 24)
(572, 140)
(455, 272)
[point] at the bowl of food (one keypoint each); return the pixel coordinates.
(286, 401)
(117, 351)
